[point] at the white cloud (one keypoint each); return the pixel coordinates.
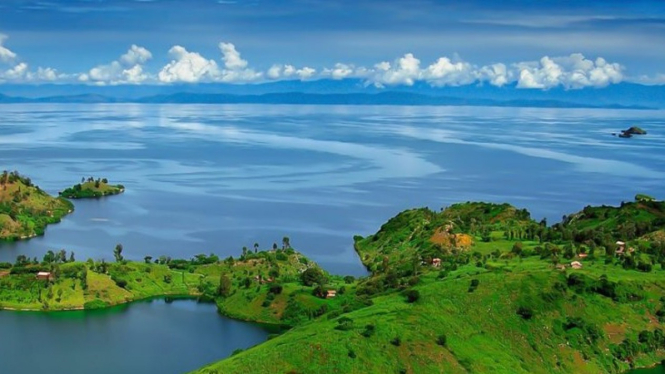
(127, 69)
(289, 72)
(570, 72)
(231, 57)
(658, 79)
(574, 71)
(187, 67)
(191, 67)
(6, 55)
(135, 55)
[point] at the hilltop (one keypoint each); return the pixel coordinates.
(92, 188)
(25, 209)
(481, 287)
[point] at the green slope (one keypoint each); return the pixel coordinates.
(500, 304)
(26, 210)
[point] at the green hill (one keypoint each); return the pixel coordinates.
(26, 210)
(506, 299)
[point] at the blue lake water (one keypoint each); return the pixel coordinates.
(215, 178)
(145, 337)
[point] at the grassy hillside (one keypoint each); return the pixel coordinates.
(279, 287)
(92, 188)
(504, 299)
(26, 210)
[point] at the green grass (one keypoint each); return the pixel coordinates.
(484, 333)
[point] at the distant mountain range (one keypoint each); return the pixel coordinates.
(341, 92)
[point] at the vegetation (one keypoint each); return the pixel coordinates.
(453, 291)
(25, 209)
(92, 188)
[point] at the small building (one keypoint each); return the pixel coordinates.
(45, 275)
(582, 255)
(576, 265)
(330, 294)
(436, 262)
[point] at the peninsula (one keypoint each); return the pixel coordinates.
(25, 209)
(92, 188)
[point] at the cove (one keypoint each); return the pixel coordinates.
(143, 337)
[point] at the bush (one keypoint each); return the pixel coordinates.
(352, 354)
(369, 331)
(474, 284)
(344, 324)
(349, 279)
(275, 289)
(525, 312)
(412, 296)
(167, 278)
(442, 340)
(396, 341)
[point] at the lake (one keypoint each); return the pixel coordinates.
(145, 337)
(215, 178)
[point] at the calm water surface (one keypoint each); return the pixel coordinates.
(145, 337)
(215, 178)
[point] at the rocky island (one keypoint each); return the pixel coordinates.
(25, 209)
(92, 188)
(633, 130)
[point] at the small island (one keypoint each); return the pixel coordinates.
(25, 209)
(92, 188)
(633, 130)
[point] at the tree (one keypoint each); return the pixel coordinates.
(311, 276)
(147, 259)
(71, 257)
(244, 251)
(274, 246)
(117, 253)
(286, 242)
(256, 247)
(225, 286)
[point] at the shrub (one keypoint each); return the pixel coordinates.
(412, 296)
(474, 284)
(275, 289)
(525, 312)
(369, 331)
(396, 341)
(236, 351)
(168, 278)
(352, 354)
(442, 340)
(344, 324)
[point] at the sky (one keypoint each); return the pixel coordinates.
(532, 44)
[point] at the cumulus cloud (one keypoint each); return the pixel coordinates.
(192, 67)
(127, 69)
(187, 66)
(290, 72)
(570, 72)
(574, 71)
(6, 55)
